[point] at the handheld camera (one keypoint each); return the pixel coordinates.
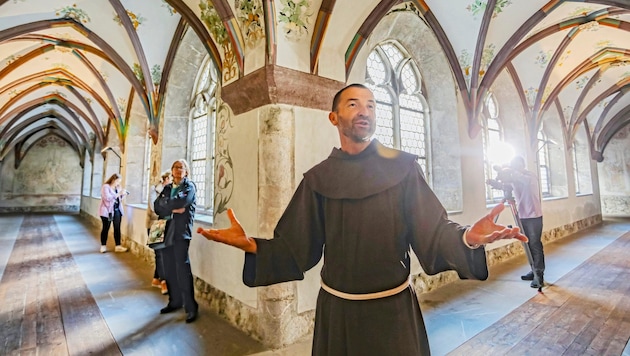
(502, 181)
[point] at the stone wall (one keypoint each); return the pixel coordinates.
(48, 179)
(614, 176)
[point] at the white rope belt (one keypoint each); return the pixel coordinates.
(367, 296)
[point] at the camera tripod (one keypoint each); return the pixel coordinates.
(509, 198)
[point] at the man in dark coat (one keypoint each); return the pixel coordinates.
(365, 206)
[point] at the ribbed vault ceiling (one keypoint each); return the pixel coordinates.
(70, 69)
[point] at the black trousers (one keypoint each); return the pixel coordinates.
(179, 278)
(159, 269)
(532, 228)
(105, 229)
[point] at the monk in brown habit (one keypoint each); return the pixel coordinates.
(363, 209)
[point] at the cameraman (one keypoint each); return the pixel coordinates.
(529, 207)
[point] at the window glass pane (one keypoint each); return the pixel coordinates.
(494, 137)
(376, 68)
(408, 79)
(491, 138)
(198, 176)
(204, 79)
(199, 138)
(491, 106)
(393, 54)
(147, 169)
(384, 125)
(493, 124)
(412, 135)
(576, 170)
(411, 102)
(381, 95)
(543, 165)
(544, 180)
(198, 154)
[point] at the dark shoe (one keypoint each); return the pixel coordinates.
(538, 281)
(191, 316)
(169, 308)
(528, 277)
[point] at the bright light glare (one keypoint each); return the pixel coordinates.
(500, 153)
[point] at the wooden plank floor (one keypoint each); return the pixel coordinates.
(60, 296)
(586, 312)
(46, 309)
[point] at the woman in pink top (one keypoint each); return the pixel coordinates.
(110, 210)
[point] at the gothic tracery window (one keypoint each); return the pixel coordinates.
(401, 110)
(202, 132)
(543, 164)
(492, 138)
(146, 176)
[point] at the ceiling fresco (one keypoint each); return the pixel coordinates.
(72, 68)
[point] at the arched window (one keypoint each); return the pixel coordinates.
(492, 140)
(202, 129)
(401, 110)
(146, 175)
(543, 164)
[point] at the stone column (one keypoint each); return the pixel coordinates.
(277, 304)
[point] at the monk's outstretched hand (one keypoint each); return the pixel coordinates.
(233, 236)
(485, 230)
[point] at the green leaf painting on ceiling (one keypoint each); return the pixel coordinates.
(73, 12)
(250, 16)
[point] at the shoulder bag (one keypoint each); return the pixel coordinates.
(156, 234)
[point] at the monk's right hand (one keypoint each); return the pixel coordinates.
(233, 236)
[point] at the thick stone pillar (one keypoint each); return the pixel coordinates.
(277, 304)
(276, 146)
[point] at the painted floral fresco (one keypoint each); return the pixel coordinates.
(137, 70)
(543, 58)
(73, 12)
(479, 7)
(224, 169)
(116, 63)
(168, 7)
(580, 83)
(295, 17)
(486, 58)
(465, 60)
(156, 74)
(251, 18)
(216, 27)
(136, 20)
(530, 95)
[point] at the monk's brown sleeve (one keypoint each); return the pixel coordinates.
(436, 240)
(296, 247)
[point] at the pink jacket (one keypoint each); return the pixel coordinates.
(108, 196)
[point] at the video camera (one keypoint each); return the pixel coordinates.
(503, 180)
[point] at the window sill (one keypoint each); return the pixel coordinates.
(199, 218)
(553, 198)
(204, 219)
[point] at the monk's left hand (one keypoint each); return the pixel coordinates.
(486, 231)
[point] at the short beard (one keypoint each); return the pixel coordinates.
(356, 138)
